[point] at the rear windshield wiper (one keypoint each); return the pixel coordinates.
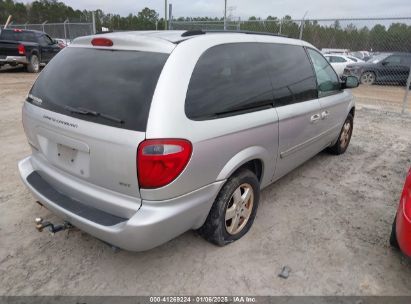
(84, 111)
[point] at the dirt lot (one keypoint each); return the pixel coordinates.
(387, 97)
(329, 221)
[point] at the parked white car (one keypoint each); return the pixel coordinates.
(363, 55)
(335, 51)
(355, 59)
(62, 42)
(339, 62)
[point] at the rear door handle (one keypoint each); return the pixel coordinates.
(324, 114)
(315, 118)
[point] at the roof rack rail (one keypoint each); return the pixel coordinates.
(202, 32)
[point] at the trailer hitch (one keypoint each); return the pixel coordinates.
(41, 224)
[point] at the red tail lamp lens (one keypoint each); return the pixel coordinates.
(21, 49)
(160, 161)
(101, 42)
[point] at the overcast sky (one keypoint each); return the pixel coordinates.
(259, 8)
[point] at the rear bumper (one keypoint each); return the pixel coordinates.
(155, 223)
(14, 59)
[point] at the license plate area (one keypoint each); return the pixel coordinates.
(65, 152)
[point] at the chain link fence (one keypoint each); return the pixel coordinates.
(376, 51)
(66, 30)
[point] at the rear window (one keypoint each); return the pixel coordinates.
(110, 87)
(18, 36)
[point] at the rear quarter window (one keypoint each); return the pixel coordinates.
(227, 80)
(118, 84)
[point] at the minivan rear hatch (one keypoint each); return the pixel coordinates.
(87, 113)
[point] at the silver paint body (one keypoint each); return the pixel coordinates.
(104, 173)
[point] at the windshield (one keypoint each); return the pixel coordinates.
(377, 58)
(104, 86)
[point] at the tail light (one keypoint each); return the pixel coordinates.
(21, 49)
(101, 42)
(160, 161)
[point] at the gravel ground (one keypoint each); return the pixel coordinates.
(329, 221)
(383, 97)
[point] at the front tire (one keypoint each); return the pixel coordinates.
(344, 137)
(34, 64)
(234, 209)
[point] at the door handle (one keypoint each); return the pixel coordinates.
(324, 114)
(315, 118)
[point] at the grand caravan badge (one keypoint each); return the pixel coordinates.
(35, 99)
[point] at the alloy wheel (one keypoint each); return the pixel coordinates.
(239, 209)
(345, 134)
(368, 78)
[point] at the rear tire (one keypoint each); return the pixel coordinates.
(34, 64)
(393, 236)
(234, 209)
(368, 78)
(344, 137)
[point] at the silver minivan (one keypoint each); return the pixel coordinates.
(138, 137)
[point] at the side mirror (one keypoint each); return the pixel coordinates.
(384, 63)
(350, 82)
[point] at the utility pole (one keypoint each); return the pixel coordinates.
(165, 14)
(302, 25)
(93, 18)
(225, 15)
(65, 30)
(170, 16)
(407, 90)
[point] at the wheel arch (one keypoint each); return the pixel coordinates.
(252, 158)
(35, 52)
(352, 111)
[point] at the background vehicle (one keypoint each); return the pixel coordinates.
(383, 68)
(339, 62)
(62, 42)
(363, 55)
(355, 59)
(335, 51)
(30, 48)
(401, 228)
(113, 156)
